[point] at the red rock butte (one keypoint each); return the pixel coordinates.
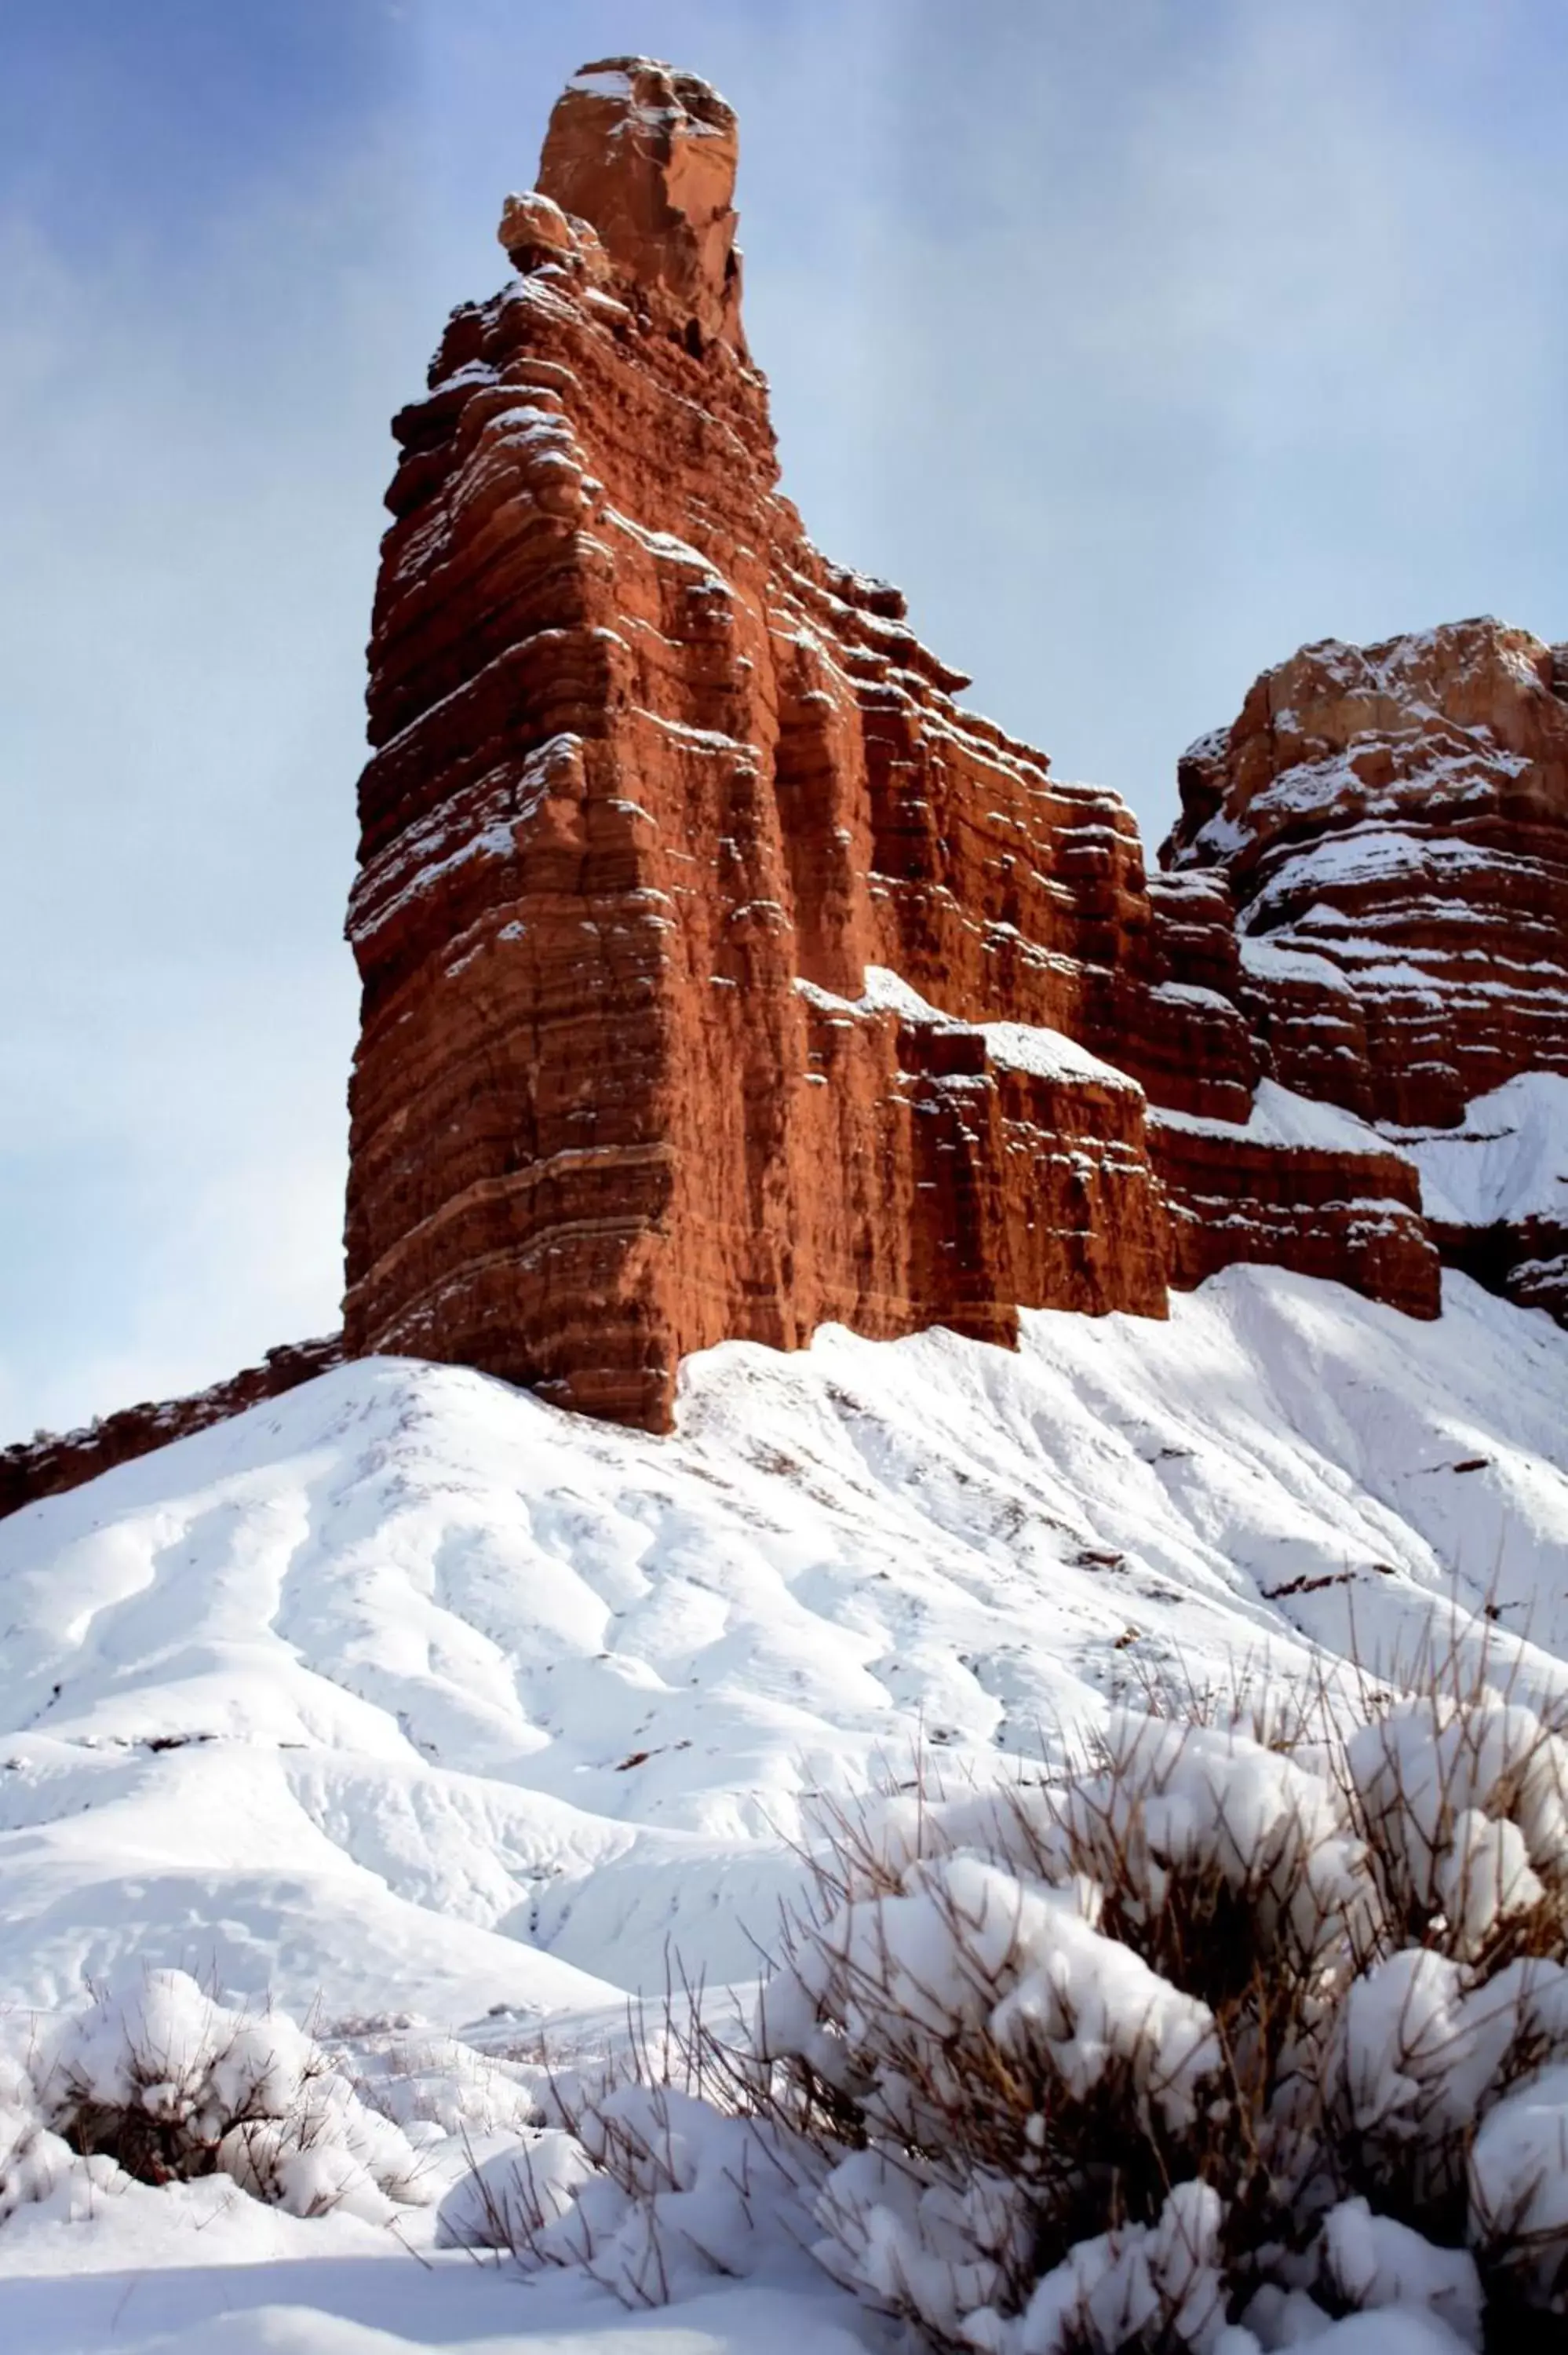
(1392, 821)
(723, 974)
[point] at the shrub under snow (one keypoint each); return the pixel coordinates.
(159, 2079)
(1224, 2036)
(31, 2157)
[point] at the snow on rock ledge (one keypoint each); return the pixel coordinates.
(1393, 822)
(1495, 1189)
(1303, 1185)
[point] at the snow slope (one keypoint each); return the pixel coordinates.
(413, 1700)
(408, 1693)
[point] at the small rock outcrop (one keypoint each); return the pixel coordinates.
(52, 1462)
(1298, 1186)
(721, 975)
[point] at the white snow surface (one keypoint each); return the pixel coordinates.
(406, 1692)
(1508, 1160)
(1017, 1046)
(1280, 1116)
(408, 1701)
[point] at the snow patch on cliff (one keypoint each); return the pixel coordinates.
(1507, 1162)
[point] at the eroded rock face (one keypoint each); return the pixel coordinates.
(1299, 1185)
(721, 975)
(724, 976)
(1392, 821)
(647, 156)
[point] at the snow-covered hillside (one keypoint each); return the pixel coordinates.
(408, 1693)
(413, 1702)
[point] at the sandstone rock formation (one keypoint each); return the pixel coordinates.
(1393, 823)
(721, 975)
(54, 1461)
(1301, 1186)
(643, 160)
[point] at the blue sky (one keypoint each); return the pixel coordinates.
(1139, 343)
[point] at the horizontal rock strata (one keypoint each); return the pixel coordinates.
(657, 794)
(1302, 1187)
(1393, 824)
(723, 975)
(1393, 821)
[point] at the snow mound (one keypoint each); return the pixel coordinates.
(154, 2081)
(412, 1694)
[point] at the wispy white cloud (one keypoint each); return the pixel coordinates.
(1196, 332)
(195, 448)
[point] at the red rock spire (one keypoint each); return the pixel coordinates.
(722, 976)
(645, 158)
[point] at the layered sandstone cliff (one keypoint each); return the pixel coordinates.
(1393, 823)
(721, 975)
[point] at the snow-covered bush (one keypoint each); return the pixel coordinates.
(169, 2085)
(1222, 2034)
(31, 2157)
(654, 2169)
(435, 2088)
